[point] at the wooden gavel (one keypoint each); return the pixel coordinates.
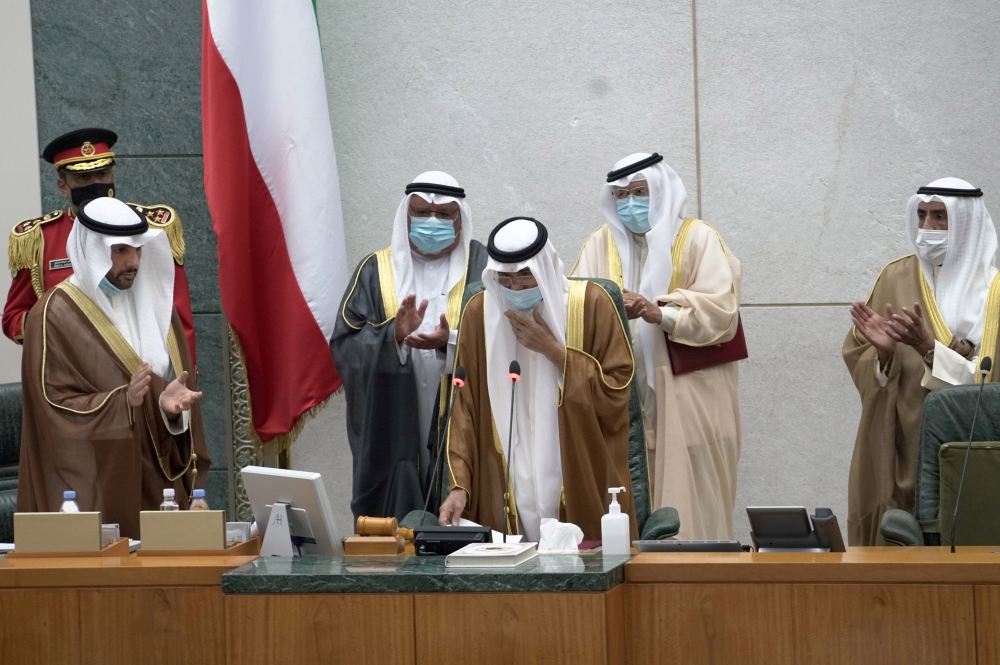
(382, 526)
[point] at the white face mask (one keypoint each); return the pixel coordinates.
(932, 246)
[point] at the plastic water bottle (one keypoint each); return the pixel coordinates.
(199, 502)
(168, 500)
(69, 503)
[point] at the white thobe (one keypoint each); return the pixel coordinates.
(430, 282)
(536, 494)
(127, 323)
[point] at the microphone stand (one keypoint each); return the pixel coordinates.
(457, 382)
(515, 376)
(984, 370)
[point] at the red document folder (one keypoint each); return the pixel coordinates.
(685, 359)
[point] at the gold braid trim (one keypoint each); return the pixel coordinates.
(991, 322)
(282, 443)
(387, 282)
(166, 219)
(26, 249)
(615, 262)
(941, 331)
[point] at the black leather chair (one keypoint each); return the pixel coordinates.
(10, 456)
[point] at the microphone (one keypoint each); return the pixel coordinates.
(458, 381)
(514, 375)
(984, 370)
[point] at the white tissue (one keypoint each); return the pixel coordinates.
(559, 537)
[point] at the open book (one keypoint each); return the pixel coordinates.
(496, 555)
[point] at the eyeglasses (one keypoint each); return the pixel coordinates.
(527, 281)
(621, 193)
(444, 216)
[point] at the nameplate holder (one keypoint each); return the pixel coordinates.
(36, 533)
(196, 530)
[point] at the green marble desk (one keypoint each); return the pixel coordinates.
(423, 574)
(552, 609)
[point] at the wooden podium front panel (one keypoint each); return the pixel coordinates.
(353, 629)
(537, 627)
(776, 624)
(988, 624)
(39, 626)
(167, 625)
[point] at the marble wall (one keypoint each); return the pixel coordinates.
(799, 129)
(134, 66)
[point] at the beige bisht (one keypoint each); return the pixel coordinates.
(692, 420)
(961, 305)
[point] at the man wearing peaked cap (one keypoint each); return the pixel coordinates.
(925, 326)
(111, 408)
(570, 437)
(84, 163)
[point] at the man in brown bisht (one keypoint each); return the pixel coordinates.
(896, 355)
(571, 423)
(105, 375)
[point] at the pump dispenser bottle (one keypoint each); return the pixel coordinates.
(614, 527)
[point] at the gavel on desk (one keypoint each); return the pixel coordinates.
(382, 528)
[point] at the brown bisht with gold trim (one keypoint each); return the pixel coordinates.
(884, 464)
(78, 431)
(593, 418)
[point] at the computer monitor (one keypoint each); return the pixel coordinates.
(310, 515)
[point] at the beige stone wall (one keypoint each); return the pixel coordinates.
(19, 187)
(809, 123)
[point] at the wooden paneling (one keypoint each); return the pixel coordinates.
(39, 627)
(353, 629)
(916, 565)
(988, 624)
(168, 625)
(614, 613)
(777, 624)
(494, 628)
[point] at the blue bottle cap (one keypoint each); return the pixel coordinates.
(199, 494)
(69, 495)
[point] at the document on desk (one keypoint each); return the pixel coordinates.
(497, 536)
(497, 555)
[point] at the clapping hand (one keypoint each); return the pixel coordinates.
(909, 328)
(409, 316)
(637, 307)
(437, 339)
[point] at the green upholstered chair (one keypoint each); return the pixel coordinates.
(652, 525)
(10, 456)
(944, 431)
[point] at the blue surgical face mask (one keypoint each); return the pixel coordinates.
(634, 213)
(523, 300)
(430, 234)
(108, 287)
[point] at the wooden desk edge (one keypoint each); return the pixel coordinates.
(859, 565)
(124, 572)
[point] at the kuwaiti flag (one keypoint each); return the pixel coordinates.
(273, 194)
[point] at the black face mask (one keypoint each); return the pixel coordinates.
(95, 191)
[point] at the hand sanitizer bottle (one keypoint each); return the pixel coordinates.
(614, 527)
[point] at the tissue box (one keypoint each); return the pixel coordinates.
(183, 530)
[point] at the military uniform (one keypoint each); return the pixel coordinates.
(37, 249)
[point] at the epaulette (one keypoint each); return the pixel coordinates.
(166, 219)
(26, 247)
